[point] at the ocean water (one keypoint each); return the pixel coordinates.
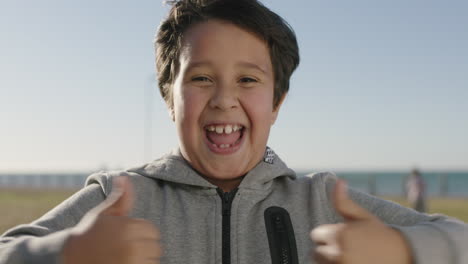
(43, 180)
(453, 184)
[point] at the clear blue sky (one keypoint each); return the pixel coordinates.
(381, 85)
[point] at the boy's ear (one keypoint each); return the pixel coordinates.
(170, 110)
(276, 109)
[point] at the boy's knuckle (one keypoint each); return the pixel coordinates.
(140, 225)
(343, 234)
(140, 222)
(156, 234)
(126, 253)
(159, 250)
(150, 229)
(153, 249)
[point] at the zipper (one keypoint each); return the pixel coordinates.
(226, 202)
(281, 238)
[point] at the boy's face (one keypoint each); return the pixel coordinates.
(223, 101)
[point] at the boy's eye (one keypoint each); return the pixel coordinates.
(200, 79)
(247, 80)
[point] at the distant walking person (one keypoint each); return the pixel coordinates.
(416, 191)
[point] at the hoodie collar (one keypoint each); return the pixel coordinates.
(172, 167)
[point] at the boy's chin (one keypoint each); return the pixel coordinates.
(226, 182)
(226, 174)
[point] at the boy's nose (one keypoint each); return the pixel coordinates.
(224, 98)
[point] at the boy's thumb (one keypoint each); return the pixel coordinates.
(346, 207)
(120, 201)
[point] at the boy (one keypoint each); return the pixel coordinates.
(223, 196)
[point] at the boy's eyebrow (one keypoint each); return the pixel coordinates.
(198, 64)
(242, 64)
(251, 65)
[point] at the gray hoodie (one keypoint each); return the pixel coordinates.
(268, 221)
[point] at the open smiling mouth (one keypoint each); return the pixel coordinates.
(224, 139)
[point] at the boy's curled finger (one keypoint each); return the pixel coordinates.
(327, 254)
(326, 234)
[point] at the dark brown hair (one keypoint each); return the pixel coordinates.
(250, 15)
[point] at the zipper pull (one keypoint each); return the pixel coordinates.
(279, 224)
(227, 207)
(280, 234)
(227, 198)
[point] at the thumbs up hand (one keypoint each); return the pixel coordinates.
(361, 239)
(106, 234)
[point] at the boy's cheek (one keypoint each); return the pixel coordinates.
(187, 104)
(260, 105)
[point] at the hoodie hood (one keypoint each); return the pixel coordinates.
(172, 167)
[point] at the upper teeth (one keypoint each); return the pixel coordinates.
(228, 129)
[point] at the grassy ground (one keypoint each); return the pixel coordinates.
(23, 205)
(20, 206)
(455, 207)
